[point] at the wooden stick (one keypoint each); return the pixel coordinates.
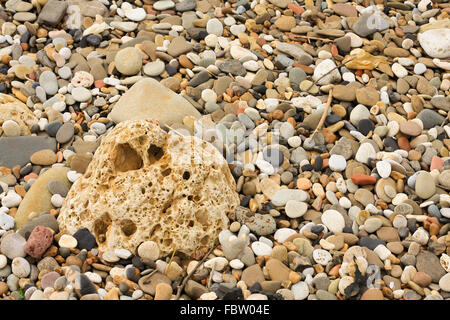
(325, 112)
(170, 261)
(183, 284)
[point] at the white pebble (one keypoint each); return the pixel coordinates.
(236, 264)
(382, 252)
(399, 70)
(6, 221)
(420, 68)
(57, 200)
(20, 267)
(122, 253)
(67, 241)
(261, 248)
(12, 199)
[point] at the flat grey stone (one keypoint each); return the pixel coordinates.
(18, 150)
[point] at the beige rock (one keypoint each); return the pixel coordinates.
(149, 99)
(37, 199)
(163, 291)
(13, 109)
(144, 184)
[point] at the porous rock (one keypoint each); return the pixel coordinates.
(144, 184)
(13, 109)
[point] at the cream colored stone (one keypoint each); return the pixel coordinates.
(144, 184)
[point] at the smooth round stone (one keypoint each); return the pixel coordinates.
(3, 261)
(261, 249)
(445, 212)
(81, 94)
(337, 162)
(12, 246)
(163, 5)
(365, 151)
(284, 195)
(425, 186)
(333, 220)
(287, 130)
(65, 72)
(322, 256)
(436, 42)
(57, 200)
(11, 128)
(358, 113)
(237, 29)
(399, 70)
(214, 26)
(98, 127)
(154, 68)
(149, 250)
(58, 187)
(137, 14)
(372, 224)
(211, 40)
(48, 81)
(20, 267)
(209, 95)
(300, 290)
(67, 241)
(251, 65)
(420, 68)
(128, 61)
(12, 199)
(444, 282)
(65, 132)
(295, 209)
(384, 168)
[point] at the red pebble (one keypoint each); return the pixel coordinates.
(436, 163)
(296, 8)
(363, 179)
(240, 110)
(39, 241)
(403, 143)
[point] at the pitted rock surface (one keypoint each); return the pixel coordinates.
(144, 184)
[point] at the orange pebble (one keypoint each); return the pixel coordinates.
(363, 179)
(30, 176)
(99, 84)
(403, 143)
(303, 184)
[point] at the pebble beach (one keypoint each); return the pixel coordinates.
(224, 150)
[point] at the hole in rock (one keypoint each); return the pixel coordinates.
(155, 153)
(155, 229)
(186, 175)
(101, 227)
(126, 158)
(128, 227)
(204, 240)
(201, 216)
(191, 223)
(166, 172)
(167, 242)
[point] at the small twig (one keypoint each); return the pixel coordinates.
(183, 284)
(325, 112)
(170, 261)
(211, 275)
